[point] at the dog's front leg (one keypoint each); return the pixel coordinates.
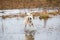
(25, 28)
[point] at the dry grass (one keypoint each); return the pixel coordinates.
(17, 4)
(12, 16)
(45, 14)
(54, 13)
(42, 15)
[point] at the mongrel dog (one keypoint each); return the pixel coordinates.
(29, 22)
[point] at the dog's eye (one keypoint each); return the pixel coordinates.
(29, 18)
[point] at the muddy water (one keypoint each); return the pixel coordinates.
(29, 37)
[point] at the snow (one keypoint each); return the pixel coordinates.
(15, 11)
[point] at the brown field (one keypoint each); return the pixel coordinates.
(17, 4)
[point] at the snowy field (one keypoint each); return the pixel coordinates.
(14, 28)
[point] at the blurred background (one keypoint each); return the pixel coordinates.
(17, 4)
(12, 13)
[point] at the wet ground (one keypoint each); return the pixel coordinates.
(14, 29)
